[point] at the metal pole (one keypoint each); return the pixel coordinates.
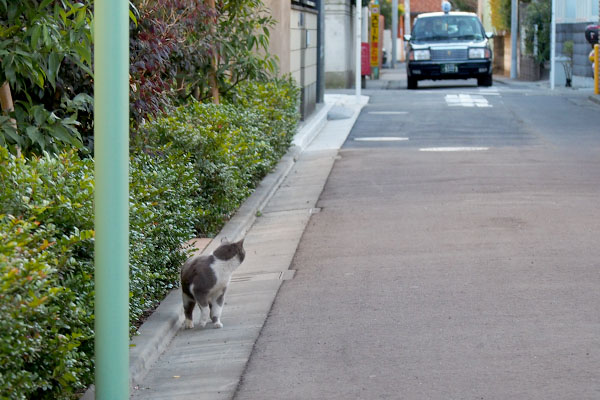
(513, 39)
(552, 44)
(321, 52)
(394, 32)
(111, 198)
(357, 35)
(596, 68)
(407, 17)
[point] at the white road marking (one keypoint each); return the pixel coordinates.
(442, 149)
(466, 100)
(388, 112)
(381, 139)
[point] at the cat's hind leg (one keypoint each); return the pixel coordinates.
(204, 310)
(217, 308)
(188, 310)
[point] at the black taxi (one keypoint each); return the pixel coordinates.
(448, 45)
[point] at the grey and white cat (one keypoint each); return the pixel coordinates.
(204, 280)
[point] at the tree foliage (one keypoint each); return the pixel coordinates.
(173, 43)
(385, 8)
(46, 57)
(464, 5)
(537, 23)
(500, 14)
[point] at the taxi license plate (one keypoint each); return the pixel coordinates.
(449, 68)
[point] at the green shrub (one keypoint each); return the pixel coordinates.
(46, 292)
(277, 101)
(42, 323)
(46, 228)
(234, 145)
(164, 210)
(46, 261)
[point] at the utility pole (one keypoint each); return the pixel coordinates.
(407, 17)
(111, 198)
(514, 30)
(394, 32)
(357, 44)
(553, 44)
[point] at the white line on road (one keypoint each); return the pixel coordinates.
(381, 139)
(441, 149)
(388, 112)
(466, 100)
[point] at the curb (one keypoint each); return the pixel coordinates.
(594, 98)
(156, 333)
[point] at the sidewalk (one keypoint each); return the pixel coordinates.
(207, 363)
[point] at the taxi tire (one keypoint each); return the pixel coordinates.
(485, 81)
(411, 83)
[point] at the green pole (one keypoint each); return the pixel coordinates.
(111, 214)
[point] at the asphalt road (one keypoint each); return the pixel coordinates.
(437, 274)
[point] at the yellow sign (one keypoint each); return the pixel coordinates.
(374, 40)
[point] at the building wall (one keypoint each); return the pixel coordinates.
(581, 48)
(279, 44)
(303, 55)
(576, 11)
(572, 16)
(339, 49)
(423, 6)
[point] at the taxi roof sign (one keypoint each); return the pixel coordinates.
(446, 7)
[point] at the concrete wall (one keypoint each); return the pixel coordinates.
(294, 42)
(339, 49)
(581, 48)
(303, 55)
(279, 44)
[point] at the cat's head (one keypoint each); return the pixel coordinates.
(227, 250)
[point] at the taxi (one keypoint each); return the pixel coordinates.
(448, 45)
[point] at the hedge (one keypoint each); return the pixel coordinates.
(46, 261)
(233, 145)
(186, 178)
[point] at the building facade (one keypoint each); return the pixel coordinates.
(572, 17)
(294, 42)
(339, 43)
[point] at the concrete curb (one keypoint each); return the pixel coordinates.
(310, 128)
(156, 333)
(594, 98)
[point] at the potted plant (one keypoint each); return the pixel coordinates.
(568, 63)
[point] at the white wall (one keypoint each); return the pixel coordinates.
(339, 48)
(571, 11)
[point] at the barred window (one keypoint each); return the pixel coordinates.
(306, 3)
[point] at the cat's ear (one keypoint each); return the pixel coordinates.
(241, 242)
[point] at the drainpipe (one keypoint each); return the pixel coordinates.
(111, 198)
(321, 52)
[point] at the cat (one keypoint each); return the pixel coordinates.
(204, 280)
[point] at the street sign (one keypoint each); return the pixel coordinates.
(365, 65)
(375, 39)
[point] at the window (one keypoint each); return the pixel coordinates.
(306, 3)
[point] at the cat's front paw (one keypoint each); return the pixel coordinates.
(218, 325)
(188, 324)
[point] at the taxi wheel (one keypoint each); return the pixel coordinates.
(485, 81)
(411, 83)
